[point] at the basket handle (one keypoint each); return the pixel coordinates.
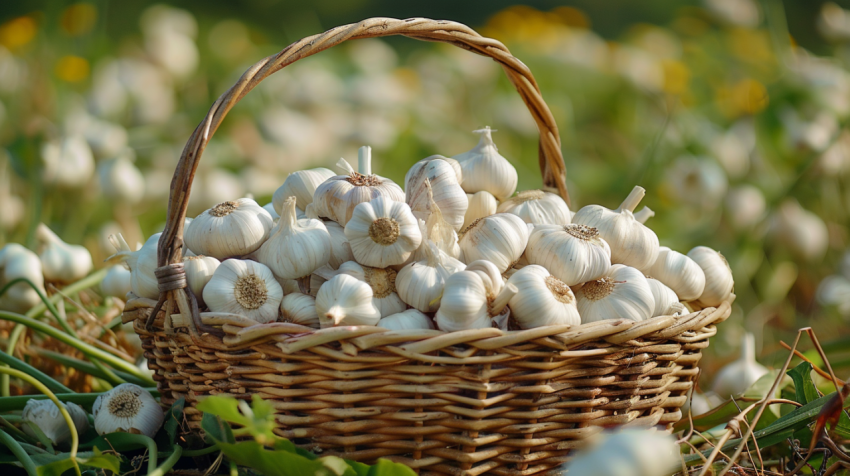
(551, 161)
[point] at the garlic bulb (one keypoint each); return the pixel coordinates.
(735, 378)
(481, 204)
(407, 320)
(800, 230)
(269, 207)
(644, 214)
(542, 300)
(19, 262)
(301, 185)
(382, 233)
(718, 276)
(67, 163)
(679, 272)
(345, 300)
(340, 247)
(537, 207)
(337, 196)
(473, 298)
(246, 288)
(663, 296)
(500, 239)
(116, 283)
(420, 284)
(447, 193)
(127, 408)
(436, 229)
(120, 180)
(141, 262)
(46, 416)
(199, 270)
(623, 294)
(630, 452)
(382, 282)
(745, 206)
(484, 169)
(299, 309)
(573, 253)
(229, 229)
(61, 262)
(295, 248)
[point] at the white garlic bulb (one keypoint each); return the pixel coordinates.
(500, 239)
(127, 408)
(630, 452)
(120, 180)
(542, 300)
(19, 262)
(299, 309)
(67, 163)
(573, 253)
(141, 262)
(199, 270)
(382, 282)
(45, 415)
(337, 196)
(382, 233)
(800, 230)
(246, 288)
(117, 282)
(420, 284)
(446, 191)
(745, 206)
(473, 298)
(437, 230)
(407, 320)
(623, 294)
(346, 301)
(229, 229)
(735, 378)
(537, 207)
(295, 248)
(644, 214)
(340, 247)
(485, 169)
(718, 276)
(679, 272)
(664, 298)
(481, 204)
(631, 242)
(301, 185)
(269, 207)
(61, 262)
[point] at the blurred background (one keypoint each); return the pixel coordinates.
(731, 113)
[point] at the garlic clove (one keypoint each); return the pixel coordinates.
(420, 284)
(127, 408)
(340, 247)
(474, 298)
(295, 248)
(19, 262)
(61, 262)
(299, 309)
(485, 169)
(735, 378)
(718, 276)
(406, 320)
(500, 239)
(481, 204)
(537, 207)
(117, 282)
(664, 298)
(542, 299)
(623, 294)
(246, 288)
(382, 233)
(45, 415)
(230, 229)
(346, 301)
(573, 253)
(199, 270)
(679, 272)
(301, 185)
(445, 192)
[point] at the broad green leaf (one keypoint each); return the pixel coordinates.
(94, 459)
(256, 419)
(225, 407)
(55, 468)
(359, 468)
(216, 429)
(337, 466)
(272, 462)
(100, 460)
(385, 467)
(804, 387)
(173, 419)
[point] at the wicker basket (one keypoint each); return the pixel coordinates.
(470, 402)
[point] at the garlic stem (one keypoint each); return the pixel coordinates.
(364, 160)
(644, 214)
(748, 348)
(631, 202)
(47, 235)
(502, 299)
(335, 314)
(486, 136)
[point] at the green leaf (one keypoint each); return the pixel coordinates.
(804, 387)
(100, 460)
(337, 466)
(272, 462)
(225, 407)
(217, 429)
(40, 436)
(386, 467)
(359, 468)
(173, 419)
(256, 419)
(55, 468)
(63, 463)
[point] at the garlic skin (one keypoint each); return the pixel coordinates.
(678, 272)
(481, 204)
(718, 276)
(299, 309)
(382, 233)
(664, 298)
(500, 239)
(346, 301)
(229, 229)
(542, 300)
(19, 262)
(447, 193)
(736, 377)
(46, 416)
(420, 284)
(407, 320)
(623, 294)
(295, 248)
(340, 247)
(127, 408)
(199, 270)
(61, 262)
(120, 180)
(117, 282)
(473, 298)
(246, 288)
(573, 253)
(382, 282)
(301, 185)
(485, 169)
(631, 242)
(68, 163)
(537, 207)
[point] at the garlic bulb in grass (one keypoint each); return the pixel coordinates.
(117, 282)
(383, 284)
(337, 196)
(340, 247)
(61, 262)
(68, 163)
(679, 272)
(500, 239)
(246, 288)
(735, 378)
(301, 185)
(623, 294)
(229, 229)
(485, 169)
(481, 204)
(745, 206)
(19, 262)
(573, 253)
(420, 284)
(473, 298)
(127, 408)
(199, 270)
(629, 452)
(382, 233)
(45, 415)
(663, 296)
(445, 192)
(347, 301)
(407, 320)
(631, 242)
(120, 180)
(542, 299)
(537, 207)
(718, 276)
(299, 309)
(801, 231)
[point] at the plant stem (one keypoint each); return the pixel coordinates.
(168, 463)
(631, 202)
(19, 453)
(141, 440)
(90, 368)
(364, 160)
(201, 452)
(48, 381)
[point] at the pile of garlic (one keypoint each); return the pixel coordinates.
(456, 249)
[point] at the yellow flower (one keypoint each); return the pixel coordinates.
(17, 32)
(746, 97)
(72, 69)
